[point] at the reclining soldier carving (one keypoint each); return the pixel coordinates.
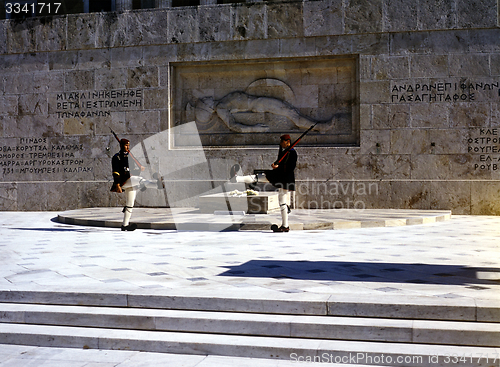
(236, 102)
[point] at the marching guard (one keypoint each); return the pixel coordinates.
(281, 176)
(123, 181)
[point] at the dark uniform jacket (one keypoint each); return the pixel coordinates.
(121, 170)
(284, 176)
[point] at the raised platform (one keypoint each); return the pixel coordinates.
(300, 219)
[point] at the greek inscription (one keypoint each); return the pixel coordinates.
(487, 146)
(439, 97)
(96, 103)
(38, 156)
(450, 92)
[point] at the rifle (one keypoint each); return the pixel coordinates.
(295, 143)
(129, 153)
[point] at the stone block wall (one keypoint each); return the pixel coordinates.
(423, 121)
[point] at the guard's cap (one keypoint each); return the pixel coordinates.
(285, 137)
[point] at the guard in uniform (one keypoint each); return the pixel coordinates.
(123, 181)
(281, 176)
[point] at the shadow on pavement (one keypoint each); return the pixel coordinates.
(365, 272)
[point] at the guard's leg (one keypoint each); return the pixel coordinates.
(138, 182)
(129, 188)
(149, 184)
(249, 179)
(127, 210)
(282, 193)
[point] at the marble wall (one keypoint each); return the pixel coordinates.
(420, 85)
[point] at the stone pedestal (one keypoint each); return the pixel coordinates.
(264, 203)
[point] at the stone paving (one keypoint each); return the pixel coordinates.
(453, 261)
(24, 356)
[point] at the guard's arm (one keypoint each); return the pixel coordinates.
(115, 164)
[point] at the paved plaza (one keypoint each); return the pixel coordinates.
(449, 262)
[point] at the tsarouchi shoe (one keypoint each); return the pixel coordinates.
(130, 227)
(275, 228)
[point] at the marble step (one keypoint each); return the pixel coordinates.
(234, 323)
(296, 349)
(348, 305)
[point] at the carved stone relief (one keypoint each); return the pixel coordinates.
(240, 104)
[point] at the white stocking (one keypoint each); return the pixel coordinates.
(246, 179)
(282, 193)
(250, 179)
(137, 182)
(130, 187)
(130, 199)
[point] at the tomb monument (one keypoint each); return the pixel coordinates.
(406, 95)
